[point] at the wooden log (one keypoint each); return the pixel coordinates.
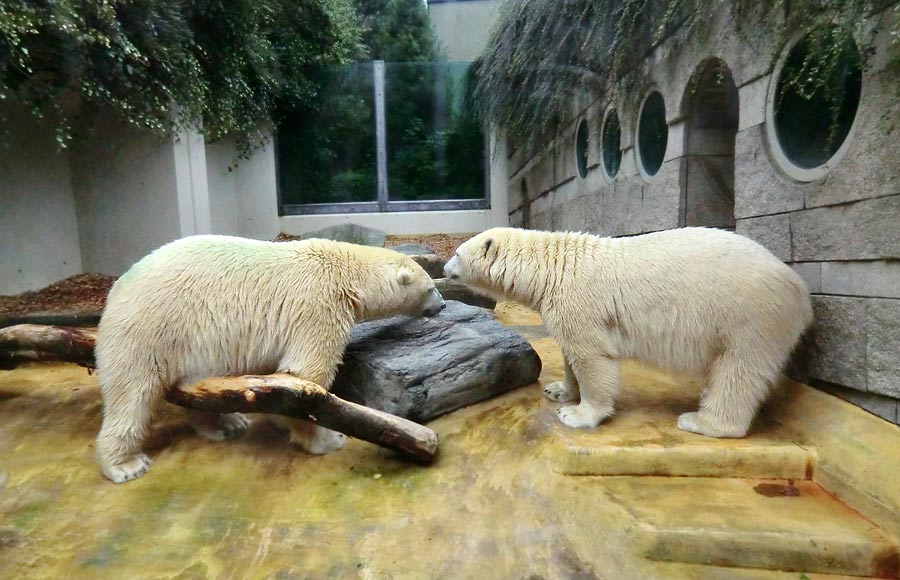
(284, 394)
(34, 342)
(281, 394)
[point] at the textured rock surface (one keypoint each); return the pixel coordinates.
(451, 290)
(423, 256)
(353, 233)
(421, 368)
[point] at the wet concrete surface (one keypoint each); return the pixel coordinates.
(493, 505)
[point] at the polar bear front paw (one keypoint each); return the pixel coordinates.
(696, 423)
(321, 441)
(560, 392)
(583, 416)
(127, 470)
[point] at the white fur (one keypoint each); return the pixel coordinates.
(214, 305)
(693, 300)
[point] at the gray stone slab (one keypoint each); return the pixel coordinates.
(570, 216)
(883, 351)
(421, 368)
(811, 272)
(593, 222)
(884, 407)
(541, 221)
(622, 208)
(661, 201)
(879, 279)
(758, 189)
(709, 191)
(837, 341)
(773, 232)
(865, 230)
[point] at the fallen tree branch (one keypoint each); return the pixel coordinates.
(287, 395)
(34, 342)
(280, 394)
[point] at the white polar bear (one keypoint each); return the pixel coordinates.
(693, 300)
(215, 305)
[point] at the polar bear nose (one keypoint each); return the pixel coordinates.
(451, 269)
(434, 304)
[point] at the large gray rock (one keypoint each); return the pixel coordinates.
(451, 290)
(423, 256)
(352, 233)
(421, 368)
(412, 249)
(883, 347)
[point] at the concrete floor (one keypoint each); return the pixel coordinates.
(513, 494)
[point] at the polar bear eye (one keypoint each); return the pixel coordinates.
(404, 276)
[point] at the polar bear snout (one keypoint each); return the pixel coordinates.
(434, 303)
(451, 269)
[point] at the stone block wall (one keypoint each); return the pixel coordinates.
(840, 232)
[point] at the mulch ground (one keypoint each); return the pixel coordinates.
(87, 292)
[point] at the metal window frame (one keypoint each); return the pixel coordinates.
(383, 203)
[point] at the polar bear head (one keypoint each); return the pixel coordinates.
(492, 263)
(398, 285)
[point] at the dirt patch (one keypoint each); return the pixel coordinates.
(80, 292)
(444, 245)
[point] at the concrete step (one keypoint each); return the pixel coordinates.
(638, 444)
(768, 524)
(642, 437)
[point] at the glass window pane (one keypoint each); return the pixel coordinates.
(326, 147)
(435, 142)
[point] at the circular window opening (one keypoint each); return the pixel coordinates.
(653, 134)
(611, 144)
(581, 148)
(815, 101)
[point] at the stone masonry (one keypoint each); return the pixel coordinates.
(839, 231)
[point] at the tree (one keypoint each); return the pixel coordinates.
(228, 66)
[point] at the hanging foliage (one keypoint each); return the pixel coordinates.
(227, 66)
(544, 54)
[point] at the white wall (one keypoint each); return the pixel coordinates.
(463, 27)
(222, 194)
(243, 201)
(38, 232)
(126, 193)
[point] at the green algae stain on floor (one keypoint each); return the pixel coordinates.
(491, 506)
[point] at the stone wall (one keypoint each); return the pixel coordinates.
(840, 231)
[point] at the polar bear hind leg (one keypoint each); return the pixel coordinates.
(217, 426)
(738, 384)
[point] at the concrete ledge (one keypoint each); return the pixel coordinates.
(770, 524)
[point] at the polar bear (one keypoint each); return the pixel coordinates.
(216, 305)
(694, 300)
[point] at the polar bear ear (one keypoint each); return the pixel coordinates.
(404, 276)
